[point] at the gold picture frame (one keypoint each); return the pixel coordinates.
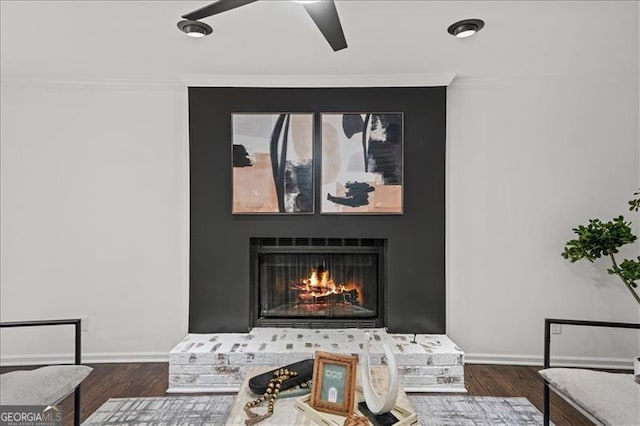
(272, 163)
(362, 163)
(334, 383)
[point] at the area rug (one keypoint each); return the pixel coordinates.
(433, 410)
(448, 410)
(163, 411)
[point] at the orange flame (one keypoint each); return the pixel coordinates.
(320, 284)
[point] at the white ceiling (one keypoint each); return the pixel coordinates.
(139, 40)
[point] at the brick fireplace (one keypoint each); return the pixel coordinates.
(219, 362)
(269, 290)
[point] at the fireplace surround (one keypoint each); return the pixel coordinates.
(220, 281)
(318, 282)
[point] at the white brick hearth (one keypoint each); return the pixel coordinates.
(219, 362)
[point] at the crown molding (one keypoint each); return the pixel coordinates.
(320, 80)
(568, 80)
(239, 80)
(450, 80)
(83, 83)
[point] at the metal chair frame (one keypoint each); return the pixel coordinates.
(76, 324)
(547, 348)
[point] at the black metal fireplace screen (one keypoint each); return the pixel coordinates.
(317, 282)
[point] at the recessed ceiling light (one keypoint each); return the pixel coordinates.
(194, 28)
(465, 28)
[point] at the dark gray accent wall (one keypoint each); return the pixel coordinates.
(219, 245)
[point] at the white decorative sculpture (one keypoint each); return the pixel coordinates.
(379, 404)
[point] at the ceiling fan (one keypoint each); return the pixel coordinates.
(323, 13)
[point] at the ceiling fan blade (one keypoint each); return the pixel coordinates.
(216, 7)
(325, 15)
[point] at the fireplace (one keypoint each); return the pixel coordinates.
(317, 282)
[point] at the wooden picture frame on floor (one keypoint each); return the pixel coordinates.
(334, 383)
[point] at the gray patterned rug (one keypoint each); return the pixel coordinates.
(163, 410)
(433, 410)
(450, 410)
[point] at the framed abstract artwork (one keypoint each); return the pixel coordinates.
(272, 156)
(362, 163)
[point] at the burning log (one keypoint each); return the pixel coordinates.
(350, 297)
(321, 290)
(322, 297)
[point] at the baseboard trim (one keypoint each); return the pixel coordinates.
(90, 358)
(469, 358)
(556, 361)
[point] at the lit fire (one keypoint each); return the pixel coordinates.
(320, 288)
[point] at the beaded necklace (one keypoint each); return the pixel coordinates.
(272, 392)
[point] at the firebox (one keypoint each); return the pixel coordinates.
(317, 282)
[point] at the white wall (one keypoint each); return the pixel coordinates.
(528, 160)
(95, 217)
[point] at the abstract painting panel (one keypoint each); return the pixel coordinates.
(362, 163)
(272, 163)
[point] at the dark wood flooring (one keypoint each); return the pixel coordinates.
(150, 379)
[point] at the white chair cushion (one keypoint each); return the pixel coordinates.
(42, 386)
(612, 398)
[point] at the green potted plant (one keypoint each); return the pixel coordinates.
(599, 239)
